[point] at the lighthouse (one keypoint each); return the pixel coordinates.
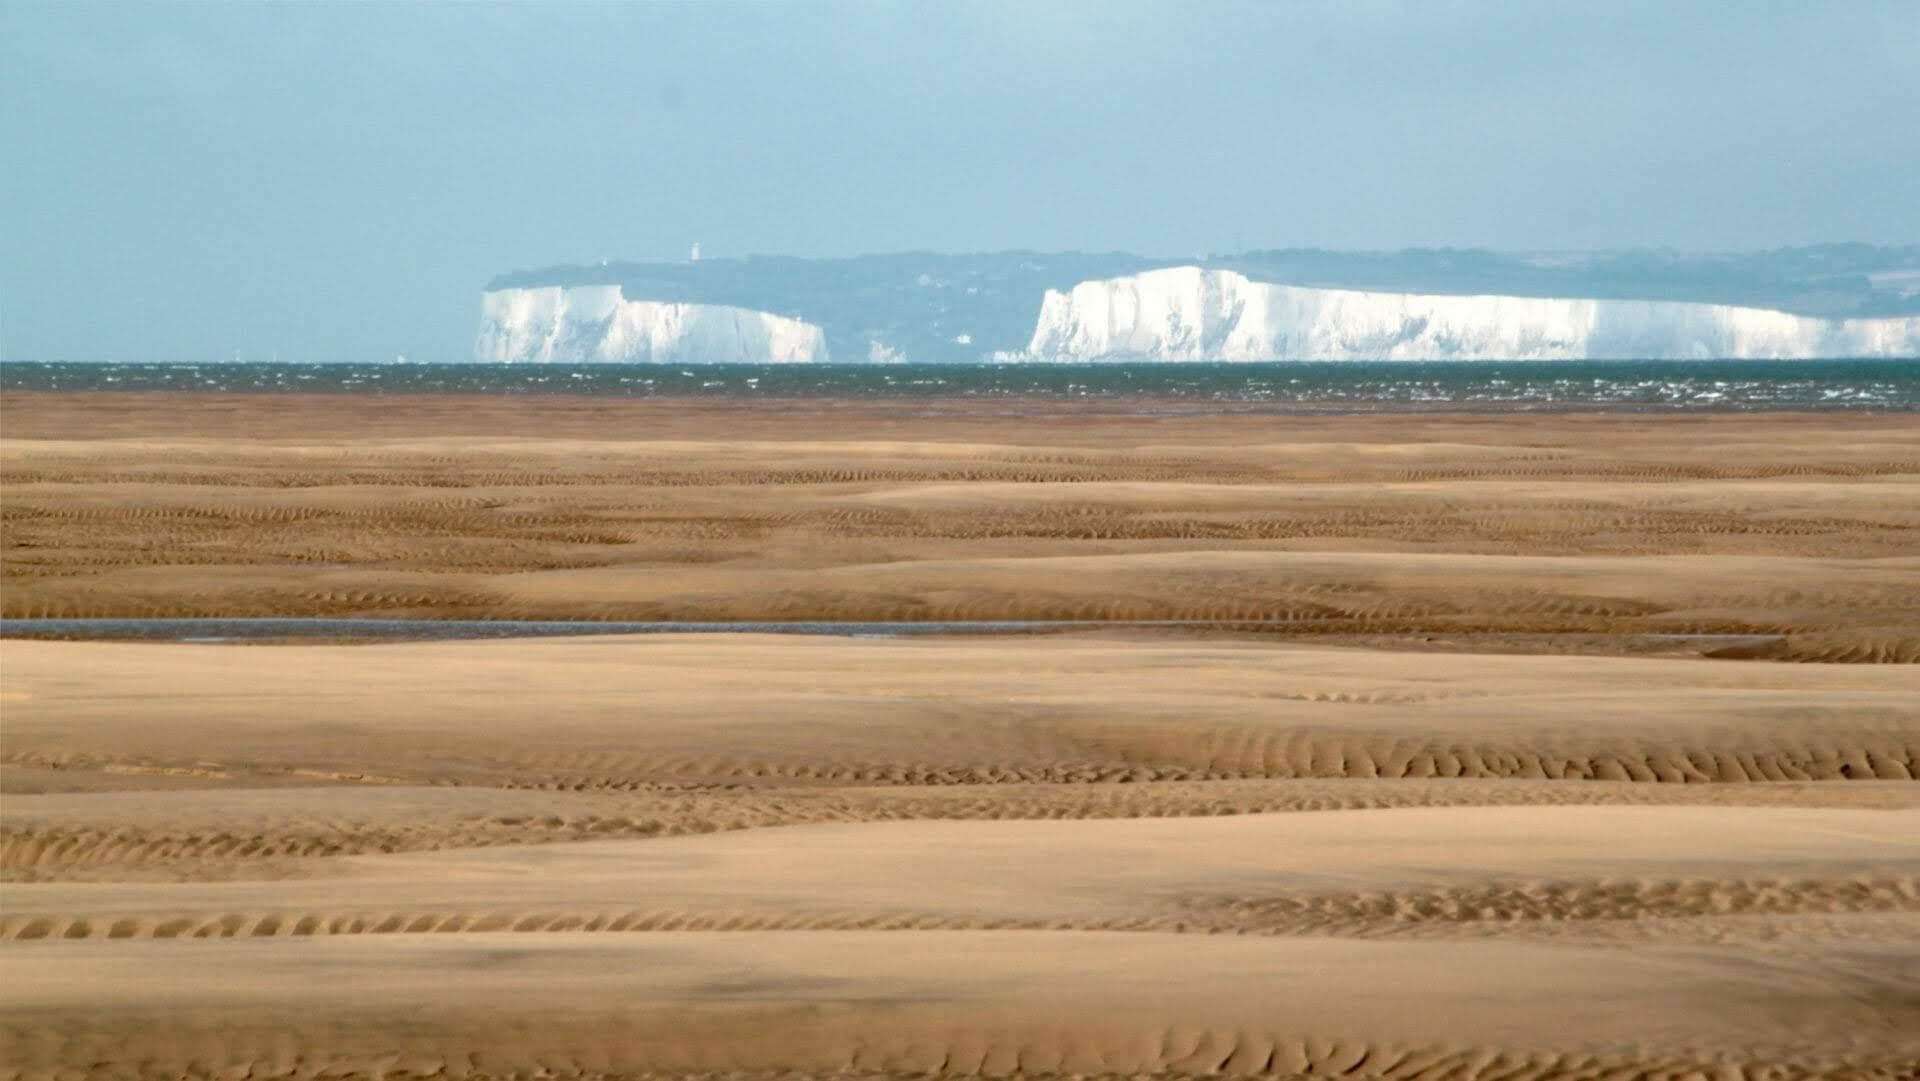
(694, 255)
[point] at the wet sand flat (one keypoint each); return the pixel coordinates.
(1515, 531)
(1518, 746)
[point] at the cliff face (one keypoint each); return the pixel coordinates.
(597, 323)
(919, 307)
(1191, 313)
(1821, 302)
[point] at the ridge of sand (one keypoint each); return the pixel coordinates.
(1444, 870)
(624, 713)
(174, 834)
(992, 1003)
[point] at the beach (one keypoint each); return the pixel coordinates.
(1488, 746)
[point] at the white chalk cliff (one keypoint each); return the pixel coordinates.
(1190, 313)
(596, 323)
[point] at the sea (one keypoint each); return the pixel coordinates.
(1302, 386)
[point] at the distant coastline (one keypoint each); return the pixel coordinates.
(1842, 300)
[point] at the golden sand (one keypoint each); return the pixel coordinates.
(1465, 784)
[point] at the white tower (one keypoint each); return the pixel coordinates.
(694, 255)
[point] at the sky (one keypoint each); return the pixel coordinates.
(335, 181)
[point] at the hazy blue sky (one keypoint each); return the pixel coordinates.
(337, 181)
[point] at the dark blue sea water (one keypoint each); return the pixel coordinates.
(1304, 386)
